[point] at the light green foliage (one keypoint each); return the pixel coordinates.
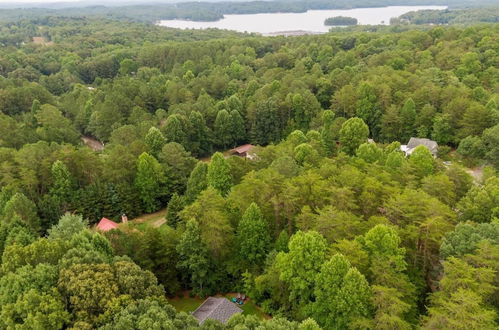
(480, 204)
(193, 256)
(151, 313)
(154, 141)
(408, 119)
(216, 231)
(54, 127)
(305, 154)
(223, 129)
(461, 301)
(490, 140)
(174, 130)
(342, 295)
(20, 207)
(441, 187)
(68, 226)
(300, 266)
(353, 133)
(218, 175)
(421, 161)
(369, 152)
(35, 310)
(253, 237)
(327, 133)
(148, 181)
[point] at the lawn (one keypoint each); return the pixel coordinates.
(185, 304)
(188, 304)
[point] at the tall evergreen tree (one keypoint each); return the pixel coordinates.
(223, 129)
(175, 205)
(193, 256)
(408, 119)
(253, 237)
(219, 176)
(149, 180)
(237, 129)
(197, 182)
(353, 133)
(342, 295)
(64, 185)
(154, 141)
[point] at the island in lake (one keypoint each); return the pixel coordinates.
(340, 21)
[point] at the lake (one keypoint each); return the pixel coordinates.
(310, 21)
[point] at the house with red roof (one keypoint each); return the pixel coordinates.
(106, 225)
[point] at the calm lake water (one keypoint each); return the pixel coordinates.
(311, 21)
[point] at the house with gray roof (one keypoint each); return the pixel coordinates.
(220, 309)
(431, 145)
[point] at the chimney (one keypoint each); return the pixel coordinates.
(124, 218)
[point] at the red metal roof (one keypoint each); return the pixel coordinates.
(242, 149)
(106, 224)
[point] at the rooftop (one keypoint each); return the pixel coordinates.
(220, 309)
(106, 225)
(242, 149)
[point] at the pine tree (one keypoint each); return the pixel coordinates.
(222, 129)
(197, 182)
(199, 143)
(237, 129)
(342, 295)
(148, 181)
(154, 141)
(353, 133)
(219, 176)
(63, 186)
(193, 256)
(408, 120)
(253, 237)
(174, 130)
(327, 133)
(175, 205)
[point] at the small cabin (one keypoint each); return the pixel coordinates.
(106, 225)
(243, 151)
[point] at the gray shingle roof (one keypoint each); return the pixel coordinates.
(430, 144)
(220, 309)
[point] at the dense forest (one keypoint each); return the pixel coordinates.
(444, 17)
(340, 20)
(329, 225)
(214, 11)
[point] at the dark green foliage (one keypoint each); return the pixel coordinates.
(340, 21)
(175, 205)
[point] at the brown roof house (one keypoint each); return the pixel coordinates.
(243, 151)
(220, 309)
(431, 145)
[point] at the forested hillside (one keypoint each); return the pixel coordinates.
(207, 11)
(321, 228)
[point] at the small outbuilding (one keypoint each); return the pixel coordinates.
(106, 225)
(431, 145)
(220, 309)
(243, 151)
